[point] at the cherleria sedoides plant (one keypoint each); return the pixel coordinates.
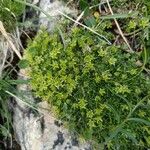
(98, 89)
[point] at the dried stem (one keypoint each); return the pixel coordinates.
(7, 37)
(119, 29)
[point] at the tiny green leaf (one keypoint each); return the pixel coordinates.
(23, 64)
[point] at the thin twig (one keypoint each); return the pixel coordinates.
(119, 29)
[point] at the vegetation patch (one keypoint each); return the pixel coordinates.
(9, 13)
(98, 89)
(85, 72)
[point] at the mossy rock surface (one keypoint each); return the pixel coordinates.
(98, 89)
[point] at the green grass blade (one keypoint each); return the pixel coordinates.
(117, 117)
(31, 105)
(120, 16)
(130, 136)
(139, 120)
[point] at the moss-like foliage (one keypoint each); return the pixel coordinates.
(9, 13)
(98, 89)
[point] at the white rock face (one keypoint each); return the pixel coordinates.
(39, 129)
(52, 8)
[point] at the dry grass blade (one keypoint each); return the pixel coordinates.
(7, 37)
(3, 54)
(119, 29)
(79, 18)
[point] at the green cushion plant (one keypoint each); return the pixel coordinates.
(98, 89)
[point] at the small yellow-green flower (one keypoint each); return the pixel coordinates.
(112, 60)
